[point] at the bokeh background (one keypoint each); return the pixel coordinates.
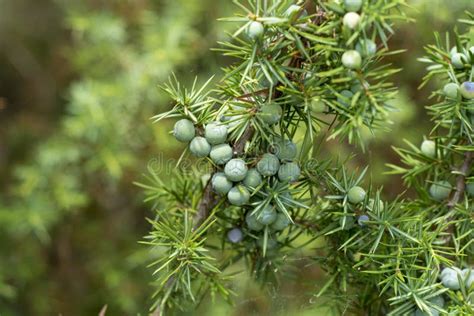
(78, 83)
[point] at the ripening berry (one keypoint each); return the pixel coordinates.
(286, 150)
(292, 11)
(200, 147)
(235, 235)
(184, 130)
(317, 105)
(467, 90)
(362, 220)
(351, 20)
(252, 222)
(449, 278)
(468, 277)
(236, 170)
(221, 154)
(238, 195)
(353, 5)
(271, 244)
(268, 165)
(346, 222)
(345, 98)
(458, 60)
(220, 183)
(470, 189)
(356, 195)
(352, 59)
(289, 172)
(366, 47)
(428, 148)
(281, 222)
(451, 90)
(267, 216)
(255, 30)
(253, 178)
(270, 113)
(216, 133)
(440, 190)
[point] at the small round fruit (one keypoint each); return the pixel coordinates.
(317, 105)
(238, 195)
(362, 220)
(428, 148)
(289, 172)
(440, 190)
(352, 59)
(200, 147)
(437, 300)
(353, 5)
(366, 47)
(351, 20)
(346, 222)
(451, 90)
(221, 154)
(468, 277)
(452, 272)
(470, 189)
(267, 216)
(220, 183)
(252, 222)
(345, 98)
(255, 30)
(286, 150)
(236, 170)
(253, 179)
(216, 133)
(271, 113)
(281, 222)
(184, 130)
(271, 244)
(458, 60)
(356, 195)
(292, 11)
(268, 165)
(235, 235)
(467, 90)
(451, 282)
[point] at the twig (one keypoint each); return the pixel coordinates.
(460, 188)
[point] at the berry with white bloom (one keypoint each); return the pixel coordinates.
(289, 172)
(268, 165)
(352, 59)
(252, 222)
(220, 183)
(286, 150)
(221, 154)
(428, 148)
(267, 215)
(184, 130)
(200, 147)
(281, 222)
(449, 278)
(356, 195)
(353, 5)
(458, 60)
(216, 133)
(440, 190)
(451, 90)
(236, 170)
(351, 20)
(238, 195)
(467, 90)
(362, 220)
(235, 235)
(366, 47)
(253, 179)
(255, 30)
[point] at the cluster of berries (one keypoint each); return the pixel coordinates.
(357, 195)
(453, 277)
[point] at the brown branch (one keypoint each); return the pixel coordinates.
(209, 199)
(460, 188)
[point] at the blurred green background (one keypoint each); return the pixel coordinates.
(78, 83)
